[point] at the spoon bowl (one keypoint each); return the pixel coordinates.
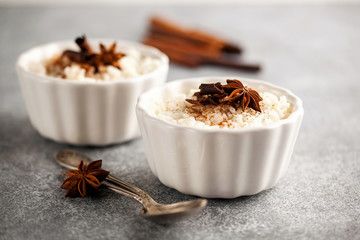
(152, 210)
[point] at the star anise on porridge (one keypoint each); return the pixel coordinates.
(233, 93)
(85, 178)
(86, 58)
(109, 56)
(241, 95)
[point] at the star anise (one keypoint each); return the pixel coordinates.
(86, 58)
(239, 94)
(109, 56)
(234, 93)
(87, 177)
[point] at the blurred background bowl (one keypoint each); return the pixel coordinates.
(80, 112)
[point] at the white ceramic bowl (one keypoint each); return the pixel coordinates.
(217, 163)
(85, 113)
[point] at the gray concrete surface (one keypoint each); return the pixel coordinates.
(314, 51)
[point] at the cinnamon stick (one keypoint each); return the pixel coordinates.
(159, 25)
(84, 45)
(182, 46)
(193, 48)
(181, 57)
(193, 60)
(249, 67)
(73, 55)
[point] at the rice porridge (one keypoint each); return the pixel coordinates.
(183, 110)
(87, 65)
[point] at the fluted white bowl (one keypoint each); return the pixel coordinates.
(217, 163)
(80, 112)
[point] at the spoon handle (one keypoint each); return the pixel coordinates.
(123, 191)
(142, 196)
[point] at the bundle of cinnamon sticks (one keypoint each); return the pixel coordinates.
(194, 48)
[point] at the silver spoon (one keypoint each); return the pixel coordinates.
(153, 211)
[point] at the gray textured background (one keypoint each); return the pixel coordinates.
(314, 51)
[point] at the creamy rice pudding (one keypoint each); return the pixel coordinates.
(186, 109)
(88, 65)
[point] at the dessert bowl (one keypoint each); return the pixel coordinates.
(85, 112)
(217, 162)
